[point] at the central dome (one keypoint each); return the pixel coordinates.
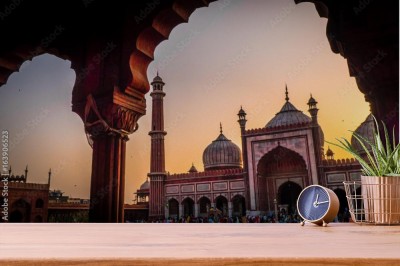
(288, 115)
(222, 154)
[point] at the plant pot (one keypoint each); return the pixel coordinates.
(381, 197)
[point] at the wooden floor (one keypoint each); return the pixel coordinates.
(198, 244)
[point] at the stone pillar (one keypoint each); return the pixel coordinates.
(166, 211)
(108, 178)
(196, 210)
(276, 210)
(108, 120)
(180, 210)
(230, 208)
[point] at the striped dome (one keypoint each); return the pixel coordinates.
(288, 115)
(145, 185)
(367, 131)
(222, 154)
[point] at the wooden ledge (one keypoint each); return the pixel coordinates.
(198, 244)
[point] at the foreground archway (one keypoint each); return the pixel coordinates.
(112, 60)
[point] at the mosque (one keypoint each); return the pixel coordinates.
(263, 174)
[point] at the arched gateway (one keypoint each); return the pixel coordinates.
(204, 206)
(188, 207)
(173, 208)
(281, 175)
(20, 211)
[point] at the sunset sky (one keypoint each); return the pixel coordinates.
(231, 53)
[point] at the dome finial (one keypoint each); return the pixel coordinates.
(220, 127)
(193, 169)
(287, 93)
(329, 154)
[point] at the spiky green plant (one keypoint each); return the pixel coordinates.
(382, 160)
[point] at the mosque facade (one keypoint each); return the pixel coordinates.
(22, 201)
(263, 174)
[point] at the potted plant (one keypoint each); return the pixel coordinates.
(380, 179)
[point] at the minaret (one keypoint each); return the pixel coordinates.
(242, 122)
(26, 174)
(312, 108)
(49, 179)
(319, 147)
(157, 173)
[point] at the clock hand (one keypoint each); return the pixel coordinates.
(323, 202)
(316, 201)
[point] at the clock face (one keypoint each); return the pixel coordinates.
(313, 203)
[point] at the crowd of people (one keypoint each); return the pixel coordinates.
(282, 217)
